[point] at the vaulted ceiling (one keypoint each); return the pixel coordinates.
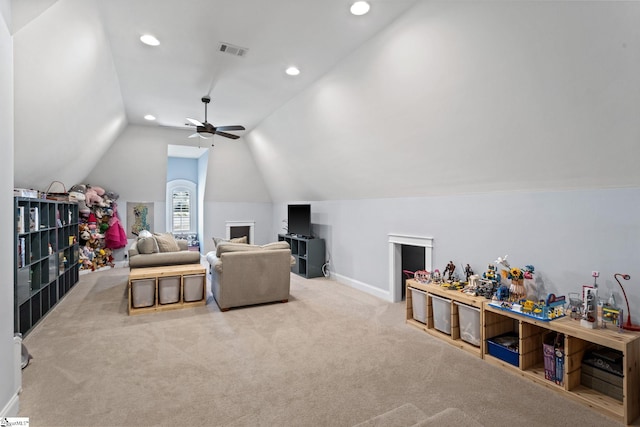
(82, 74)
(416, 98)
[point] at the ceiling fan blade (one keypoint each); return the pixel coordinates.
(226, 135)
(195, 122)
(234, 127)
(194, 135)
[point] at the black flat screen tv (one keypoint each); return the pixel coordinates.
(299, 220)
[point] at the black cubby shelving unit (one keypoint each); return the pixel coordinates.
(46, 257)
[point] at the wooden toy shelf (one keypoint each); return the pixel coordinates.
(193, 296)
(530, 333)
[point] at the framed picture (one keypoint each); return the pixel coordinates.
(139, 217)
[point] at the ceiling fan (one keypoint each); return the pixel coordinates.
(207, 130)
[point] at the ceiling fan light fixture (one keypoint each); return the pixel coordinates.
(204, 132)
(150, 40)
(360, 8)
(292, 71)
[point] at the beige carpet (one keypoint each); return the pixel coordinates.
(402, 416)
(332, 356)
(408, 415)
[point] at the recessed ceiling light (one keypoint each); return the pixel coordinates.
(149, 39)
(360, 8)
(292, 71)
(149, 117)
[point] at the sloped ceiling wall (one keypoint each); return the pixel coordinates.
(459, 97)
(23, 12)
(68, 107)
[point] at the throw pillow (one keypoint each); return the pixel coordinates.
(147, 245)
(166, 242)
(276, 245)
(225, 247)
(218, 240)
(144, 233)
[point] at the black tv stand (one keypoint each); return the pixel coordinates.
(308, 252)
(300, 236)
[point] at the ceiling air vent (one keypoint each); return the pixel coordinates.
(233, 50)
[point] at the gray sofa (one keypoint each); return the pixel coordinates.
(157, 258)
(244, 274)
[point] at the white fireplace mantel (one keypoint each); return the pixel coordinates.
(395, 259)
(250, 224)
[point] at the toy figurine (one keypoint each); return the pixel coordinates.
(436, 277)
(448, 270)
(589, 302)
(503, 262)
(491, 274)
(575, 306)
(468, 272)
(422, 276)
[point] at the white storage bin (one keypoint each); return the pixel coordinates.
(469, 319)
(193, 287)
(143, 293)
(441, 314)
(169, 289)
(419, 303)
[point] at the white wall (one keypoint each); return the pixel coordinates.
(460, 97)
(217, 213)
(8, 397)
(565, 234)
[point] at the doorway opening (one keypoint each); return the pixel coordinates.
(412, 259)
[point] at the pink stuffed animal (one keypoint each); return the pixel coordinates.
(93, 198)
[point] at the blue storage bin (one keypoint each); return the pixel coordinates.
(500, 347)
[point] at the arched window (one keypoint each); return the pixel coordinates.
(181, 206)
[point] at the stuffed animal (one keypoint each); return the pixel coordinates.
(85, 233)
(92, 222)
(92, 198)
(97, 236)
(77, 193)
(86, 256)
(99, 190)
(103, 227)
(111, 195)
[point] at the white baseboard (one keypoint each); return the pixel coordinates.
(11, 408)
(364, 287)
